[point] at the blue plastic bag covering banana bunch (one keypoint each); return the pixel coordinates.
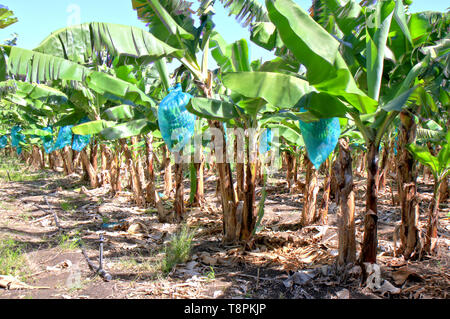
(64, 137)
(320, 138)
(81, 141)
(47, 141)
(16, 138)
(266, 138)
(3, 141)
(176, 124)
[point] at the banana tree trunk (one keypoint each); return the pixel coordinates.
(94, 154)
(444, 190)
(295, 168)
(310, 196)
(168, 185)
(289, 169)
(67, 160)
(407, 189)
(323, 207)
(42, 151)
(36, 157)
(135, 181)
(92, 174)
(232, 214)
(249, 213)
(362, 166)
(384, 166)
(51, 161)
(345, 199)
(196, 167)
(179, 189)
(137, 156)
(370, 241)
(199, 197)
(150, 173)
(105, 168)
(240, 173)
(432, 228)
(116, 185)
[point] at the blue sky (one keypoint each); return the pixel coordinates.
(37, 19)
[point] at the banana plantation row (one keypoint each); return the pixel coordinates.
(354, 87)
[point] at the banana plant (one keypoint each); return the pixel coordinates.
(6, 17)
(332, 88)
(440, 168)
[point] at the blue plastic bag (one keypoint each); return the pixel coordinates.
(47, 140)
(266, 139)
(3, 141)
(16, 138)
(64, 137)
(320, 138)
(81, 141)
(176, 124)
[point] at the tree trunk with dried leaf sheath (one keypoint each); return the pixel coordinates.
(310, 196)
(240, 173)
(231, 217)
(116, 184)
(94, 154)
(105, 168)
(92, 174)
(199, 197)
(249, 212)
(370, 241)
(384, 167)
(135, 181)
(323, 207)
(295, 168)
(289, 169)
(152, 195)
(168, 186)
(179, 189)
(407, 189)
(346, 205)
(432, 228)
(67, 160)
(197, 168)
(444, 190)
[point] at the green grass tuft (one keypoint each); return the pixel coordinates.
(178, 249)
(67, 243)
(12, 260)
(11, 169)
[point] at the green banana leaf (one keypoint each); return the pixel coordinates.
(40, 67)
(128, 129)
(91, 128)
(319, 52)
(278, 89)
(80, 42)
(120, 112)
(212, 109)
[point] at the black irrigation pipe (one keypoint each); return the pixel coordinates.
(98, 270)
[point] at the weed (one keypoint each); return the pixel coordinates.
(12, 260)
(26, 217)
(66, 243)
(178, 249)
(68, 207)
(6, 206)
(11, 169)
(138, 265)
(211, 274)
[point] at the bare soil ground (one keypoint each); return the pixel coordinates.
(283, 253)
